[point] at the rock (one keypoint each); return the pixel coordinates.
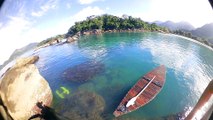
(83, 72)
(97, 31)
(86, 33)
(75, 37)
(78, 34)
(72, 39)
(22, 87)
(83, 105)
(25, 61)
(109, 31)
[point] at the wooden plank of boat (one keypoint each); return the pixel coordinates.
(144, 91)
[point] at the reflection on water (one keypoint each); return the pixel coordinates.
(125, 57)
(190, 61)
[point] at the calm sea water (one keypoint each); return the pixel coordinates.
(123, 58)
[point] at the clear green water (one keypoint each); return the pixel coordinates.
(125, 57)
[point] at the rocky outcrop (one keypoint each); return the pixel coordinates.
(25, 61)
(95, 31)
(72, 39)
(77, 35)
(22, 87)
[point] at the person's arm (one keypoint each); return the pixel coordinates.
(35, 116)
(203, 99)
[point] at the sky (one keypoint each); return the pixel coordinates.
(26, 21)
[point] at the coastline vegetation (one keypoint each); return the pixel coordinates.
(189, 35)
(51, 40)
(111, 23)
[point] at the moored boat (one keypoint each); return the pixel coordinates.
(144, 91)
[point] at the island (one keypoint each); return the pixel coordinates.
(110, 23)
(102, 24)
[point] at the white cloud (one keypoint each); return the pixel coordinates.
(88, 11)
(88, 1)
(107, 8)
(196, 12)
(62, 25)
(12, 32)
(51, 4)
(38, 13)
(68, 5)
(65, 23)
(19, 32)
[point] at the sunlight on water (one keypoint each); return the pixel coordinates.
(125, 57)
(178, 56)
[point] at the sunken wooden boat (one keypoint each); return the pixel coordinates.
(144, 91)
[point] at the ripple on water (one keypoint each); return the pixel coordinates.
(126, 57)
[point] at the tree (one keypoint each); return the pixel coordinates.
(110, 22)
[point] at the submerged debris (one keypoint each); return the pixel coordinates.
(83, 72)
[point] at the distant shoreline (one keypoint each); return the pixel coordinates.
(107, 23)
(64, 40)
(76, 36)
(193, 40)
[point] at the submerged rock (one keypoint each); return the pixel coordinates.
(83, 105)
(83, 72)
(22, 87)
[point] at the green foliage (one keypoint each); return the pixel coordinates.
(44, 42)
(110, 22)
(189, 35)
(51, 39)
(186, 34)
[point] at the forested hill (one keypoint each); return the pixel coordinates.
(205, 31)
(185, 26)
(109, 22)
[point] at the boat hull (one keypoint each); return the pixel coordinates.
(149, 93)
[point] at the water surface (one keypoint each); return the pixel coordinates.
(123, 59)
